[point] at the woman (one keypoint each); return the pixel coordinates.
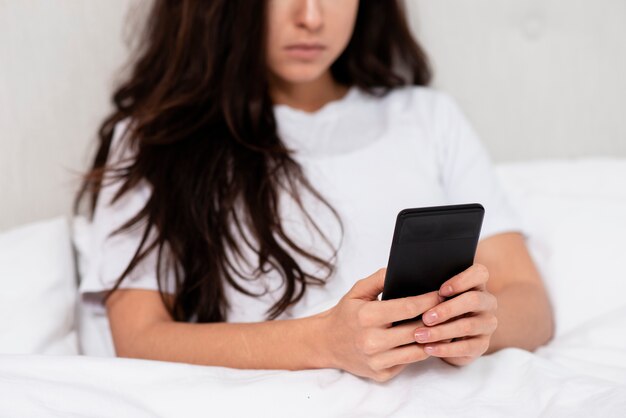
(249, 179)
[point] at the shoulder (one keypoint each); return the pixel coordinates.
(424, 105)
(412, 97)
(121, 156)
(120, 149)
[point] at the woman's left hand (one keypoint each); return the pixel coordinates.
(459, 330)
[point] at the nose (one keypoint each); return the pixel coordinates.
(309, 15)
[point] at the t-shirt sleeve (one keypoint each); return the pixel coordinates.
(467, 173)
(104, 257)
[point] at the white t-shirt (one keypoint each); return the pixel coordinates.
(368, 156)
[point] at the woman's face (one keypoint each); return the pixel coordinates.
(306, 36)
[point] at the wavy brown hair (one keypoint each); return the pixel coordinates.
(206, 142)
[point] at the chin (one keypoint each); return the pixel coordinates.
(301, 73)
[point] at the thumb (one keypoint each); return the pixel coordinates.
(370, 287)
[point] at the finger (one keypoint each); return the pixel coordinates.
(385, 312)
(388, 374)
(370, 287)
(465, 327)
(401, 355)
(473, 301)
(459, 361)
(476, 276)
(379, 340)
(469, 347)
(398, 336)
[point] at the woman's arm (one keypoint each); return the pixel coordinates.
(142, 328)
(524, 312)
(355, 335)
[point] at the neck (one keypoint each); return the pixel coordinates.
(308, 97)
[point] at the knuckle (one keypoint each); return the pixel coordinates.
(460, 278)
(357, 285)
(475, 298)
(376, 378)
(374, 365)
(494, 302)
(364, 316)
(484, 346)
(410, 309)
(465, 347)
(435, 299)
(406, 357)
(482, 270)
(467, 327)
(494, 322)
(367, 344)
(421, 355)
(370, 346)
(416, 355)
(383, 376)
(457, 347)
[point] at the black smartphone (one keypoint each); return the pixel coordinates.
(431, 245)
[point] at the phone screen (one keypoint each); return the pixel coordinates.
(431, 245)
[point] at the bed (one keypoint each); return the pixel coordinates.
(543, 84)
(574, 214)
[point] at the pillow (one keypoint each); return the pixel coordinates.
(37, 290)
(575, 215)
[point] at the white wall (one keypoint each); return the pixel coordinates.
(539, 78)
(57, 62)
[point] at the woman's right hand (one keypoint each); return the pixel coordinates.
(358, 331)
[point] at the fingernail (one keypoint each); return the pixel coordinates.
(429, 349)
(421, 335)
(446, 290)
(430, 317)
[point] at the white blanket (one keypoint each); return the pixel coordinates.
(581, 374)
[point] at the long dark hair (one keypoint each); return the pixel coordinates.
(206, 142)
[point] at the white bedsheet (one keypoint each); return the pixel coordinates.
(510, 383)
(581, 374)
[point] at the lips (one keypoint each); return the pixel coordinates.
(305, 51)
